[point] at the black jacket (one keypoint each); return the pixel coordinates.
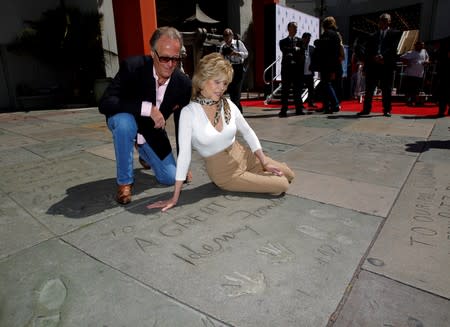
(293, 52)
(135, 83)
(388, 49)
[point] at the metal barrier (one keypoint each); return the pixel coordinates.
(274, 91)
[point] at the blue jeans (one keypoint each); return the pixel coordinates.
(124, 129)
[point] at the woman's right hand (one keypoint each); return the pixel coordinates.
(164, 204)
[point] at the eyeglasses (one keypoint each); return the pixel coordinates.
(165, 60)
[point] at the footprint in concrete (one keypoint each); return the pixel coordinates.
(50, 299)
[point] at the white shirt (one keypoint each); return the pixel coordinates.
(196, 131)
(147, 107)
(238, 47)
(416, 59)
(306, 70)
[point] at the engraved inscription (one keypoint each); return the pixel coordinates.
(207, 249)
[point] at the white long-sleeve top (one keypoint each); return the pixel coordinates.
(416, 61)
(196, 131)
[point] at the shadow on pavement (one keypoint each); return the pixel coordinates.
(422, 146)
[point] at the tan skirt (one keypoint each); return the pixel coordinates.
(238, 169)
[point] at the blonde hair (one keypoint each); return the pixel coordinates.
(211, 66)
(329, 22)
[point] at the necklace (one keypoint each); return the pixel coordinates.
(209, 102)
(222, 104)
(205, 101)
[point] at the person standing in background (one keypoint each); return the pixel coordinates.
(292, 70)
(234, 50)
(329, 48)
(415, 61)
(379, 64)
(308, 74)
(443, 77)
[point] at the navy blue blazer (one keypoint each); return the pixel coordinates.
(135, 83)
(293, 52)
(388, 48)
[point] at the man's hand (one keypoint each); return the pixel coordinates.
(158, 118)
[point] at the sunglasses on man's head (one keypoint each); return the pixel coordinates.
(165, 60)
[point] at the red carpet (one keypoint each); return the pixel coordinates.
(398, 108)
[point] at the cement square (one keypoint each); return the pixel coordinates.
(441, 129)
(10, 140)
(331, 122)
(384, 169)
(365, 142)
(76, 117)
(63, 147)
(288, 133)
(16, 156)
(413, 246)
(347, 193)
(436, 150)
(54, 284)
(391, 127)
(71, 132)
(377, 301)
(31, 125)
(59, 192)
(18, 229)
(248, 260)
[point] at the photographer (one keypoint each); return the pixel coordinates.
(235, 52)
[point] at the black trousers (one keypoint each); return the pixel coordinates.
(384, 74)
(234, 88)
(291, 78)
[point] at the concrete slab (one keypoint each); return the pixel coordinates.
(18, 229)
(321, 121)
(392, 126)
(431, 150)
(347, 193)
(377, 301)
(31, 125)
(413, 246)
(73, 186)
(253, 261)
(10, 140)
(76, 117)
(441, 129)
(365, 142)
(54, 284)
(17, 156)
(78, 132)
(246, 260)
(63, 147)
(288, 133)
(376, 168)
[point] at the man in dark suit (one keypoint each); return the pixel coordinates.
(292, 70)
(379, 64)
(142, 96)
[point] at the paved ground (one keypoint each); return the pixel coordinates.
(361, 239)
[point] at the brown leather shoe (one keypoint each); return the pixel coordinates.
(124, 193)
